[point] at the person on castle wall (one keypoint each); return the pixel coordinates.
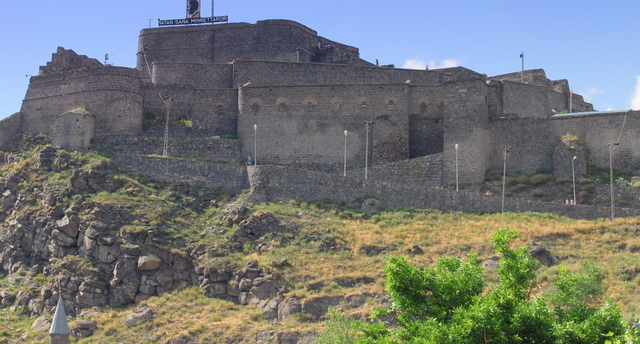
(249, 160)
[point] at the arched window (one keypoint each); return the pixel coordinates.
(423, 107)
(391, 105)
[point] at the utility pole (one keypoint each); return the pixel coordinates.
(522, 73)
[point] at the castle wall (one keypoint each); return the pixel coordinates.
(530, 101)
(304, 126)
(185, 171)
(73, 130)
(213, 111)
(278, 40)
(266, 73)
(221, 151)
(9, 128)
(276, 183)
(466, 122)
(199, 75)
(598, 130)
(530, 140)
(111, 94)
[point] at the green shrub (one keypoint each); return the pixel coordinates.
(540, 179)
(537, 193)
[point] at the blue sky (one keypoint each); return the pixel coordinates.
(593, 44)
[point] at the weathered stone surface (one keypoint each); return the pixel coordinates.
(287, 338)
(139, 315)
(41, 324)
(312, 309)
(266, 290)
(356, 300)
(271, 309)
(149, 263)
(69, 225)
(289, 308)
(543, 255)
(107, 254)
(63, 239)
(84, 328)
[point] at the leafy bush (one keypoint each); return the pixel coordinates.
(537, 193)
(540, 179)
(446, 303)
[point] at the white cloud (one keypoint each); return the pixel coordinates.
(419, 63)
(590, 94)
(416, 63)
(635, 97)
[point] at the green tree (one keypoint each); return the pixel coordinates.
(445, 304)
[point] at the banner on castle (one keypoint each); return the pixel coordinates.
(219, 19)
(193, 9)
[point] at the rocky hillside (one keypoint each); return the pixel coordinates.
(139, 260)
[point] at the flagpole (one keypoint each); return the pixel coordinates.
(570, 101)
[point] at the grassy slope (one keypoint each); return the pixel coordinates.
(189, 314)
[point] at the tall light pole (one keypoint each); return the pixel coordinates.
(255, 144)
(456, 146)
(573, 172)
(505, 150)
(345, 153)
(611, 175)
(367, 127)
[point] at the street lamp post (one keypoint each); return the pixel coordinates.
(255, 144)
(366, 152)
(456, 146)
(345, 153)
(573, 173)
(505, 150)
(611, 175)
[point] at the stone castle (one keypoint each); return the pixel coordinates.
(305, 110)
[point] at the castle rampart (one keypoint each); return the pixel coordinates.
(278, 40)
(111, 94)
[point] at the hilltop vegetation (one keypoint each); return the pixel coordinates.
(314, 253)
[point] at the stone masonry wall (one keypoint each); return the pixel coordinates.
(265, 73)
(466, 122)
(531, 141)
(213, 111)
(208, 174)
(279, 40)
(221, 151)
(598, 130)
(111, 94)
(305, 125)
(199, 75)
(530, 101)
(273, 183)
(10, 127)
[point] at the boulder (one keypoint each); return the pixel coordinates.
(41, 324)
(149, 263)
(138, 316)
(289, 308)
(69, 224)
(288, 338)
(266, 290)
(63, 239)
(543, 255)
(312, 309)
